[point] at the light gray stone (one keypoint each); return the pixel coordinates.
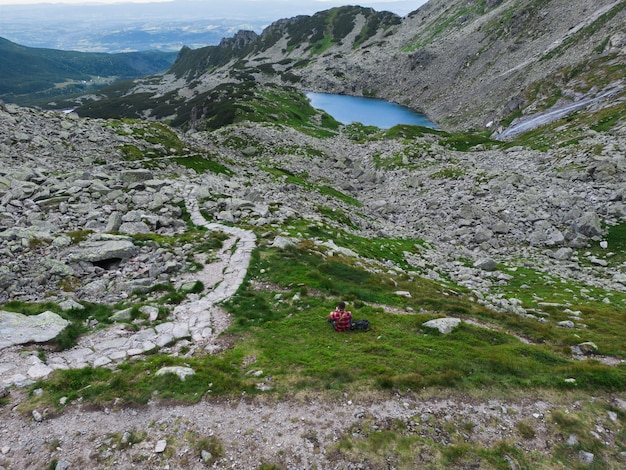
(101, 250)
(70, 304)
(586, 457)
(281, 242)
(134, 227)
(38, 371)
(563, 254)
(486, 264)
(444, 325)
(589, 225)
(16, 328)
(150, 311)
(160, 446)
(181, 372)
(135, 176)
(587, 347)
(62, 465)
(122, 315)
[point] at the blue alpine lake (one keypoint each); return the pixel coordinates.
(368, 111)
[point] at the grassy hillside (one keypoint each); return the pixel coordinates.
(30, 74)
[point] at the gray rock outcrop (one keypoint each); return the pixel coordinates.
(16, 328)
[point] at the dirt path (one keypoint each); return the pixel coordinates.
(297, 433)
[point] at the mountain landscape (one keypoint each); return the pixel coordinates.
(172, 248)
(465, 66)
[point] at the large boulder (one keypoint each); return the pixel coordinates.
(16, 328)
(444, 325)
(105, 248)
(588, 225)
(136, 176)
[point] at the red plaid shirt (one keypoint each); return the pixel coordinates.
(341, 320)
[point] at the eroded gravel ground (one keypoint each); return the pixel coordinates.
(295, 433)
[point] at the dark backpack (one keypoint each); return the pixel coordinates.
(361, 325)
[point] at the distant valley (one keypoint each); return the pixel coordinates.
(98, 35)
(36, 76)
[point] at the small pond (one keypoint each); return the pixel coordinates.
(368, 111)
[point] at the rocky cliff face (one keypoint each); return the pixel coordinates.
(465, 64)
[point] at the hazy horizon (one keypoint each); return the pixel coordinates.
(400, 7)
(133, 25)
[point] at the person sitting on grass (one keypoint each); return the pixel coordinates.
(340, 318)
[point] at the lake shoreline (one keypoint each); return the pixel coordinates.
(368, 111)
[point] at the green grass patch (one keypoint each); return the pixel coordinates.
(615, 253)
(554, 299)
(279, 319)
(467, 141)
(337, 215)
(135, 382)
(203, 164)
(332, 192)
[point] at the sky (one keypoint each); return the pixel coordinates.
(180, 8)
(84, 2)
(289, 7)
(31, 2)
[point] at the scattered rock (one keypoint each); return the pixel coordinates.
(62, 465)
(586, 458)
(181, 372)
(160, 446)
(444, 325)
(587, 348)
(70, 304)
(486, 264)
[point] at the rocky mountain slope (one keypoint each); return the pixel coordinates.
(476, 64)
(93, 214)
(184, 262)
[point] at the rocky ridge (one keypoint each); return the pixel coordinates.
(465, 64)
